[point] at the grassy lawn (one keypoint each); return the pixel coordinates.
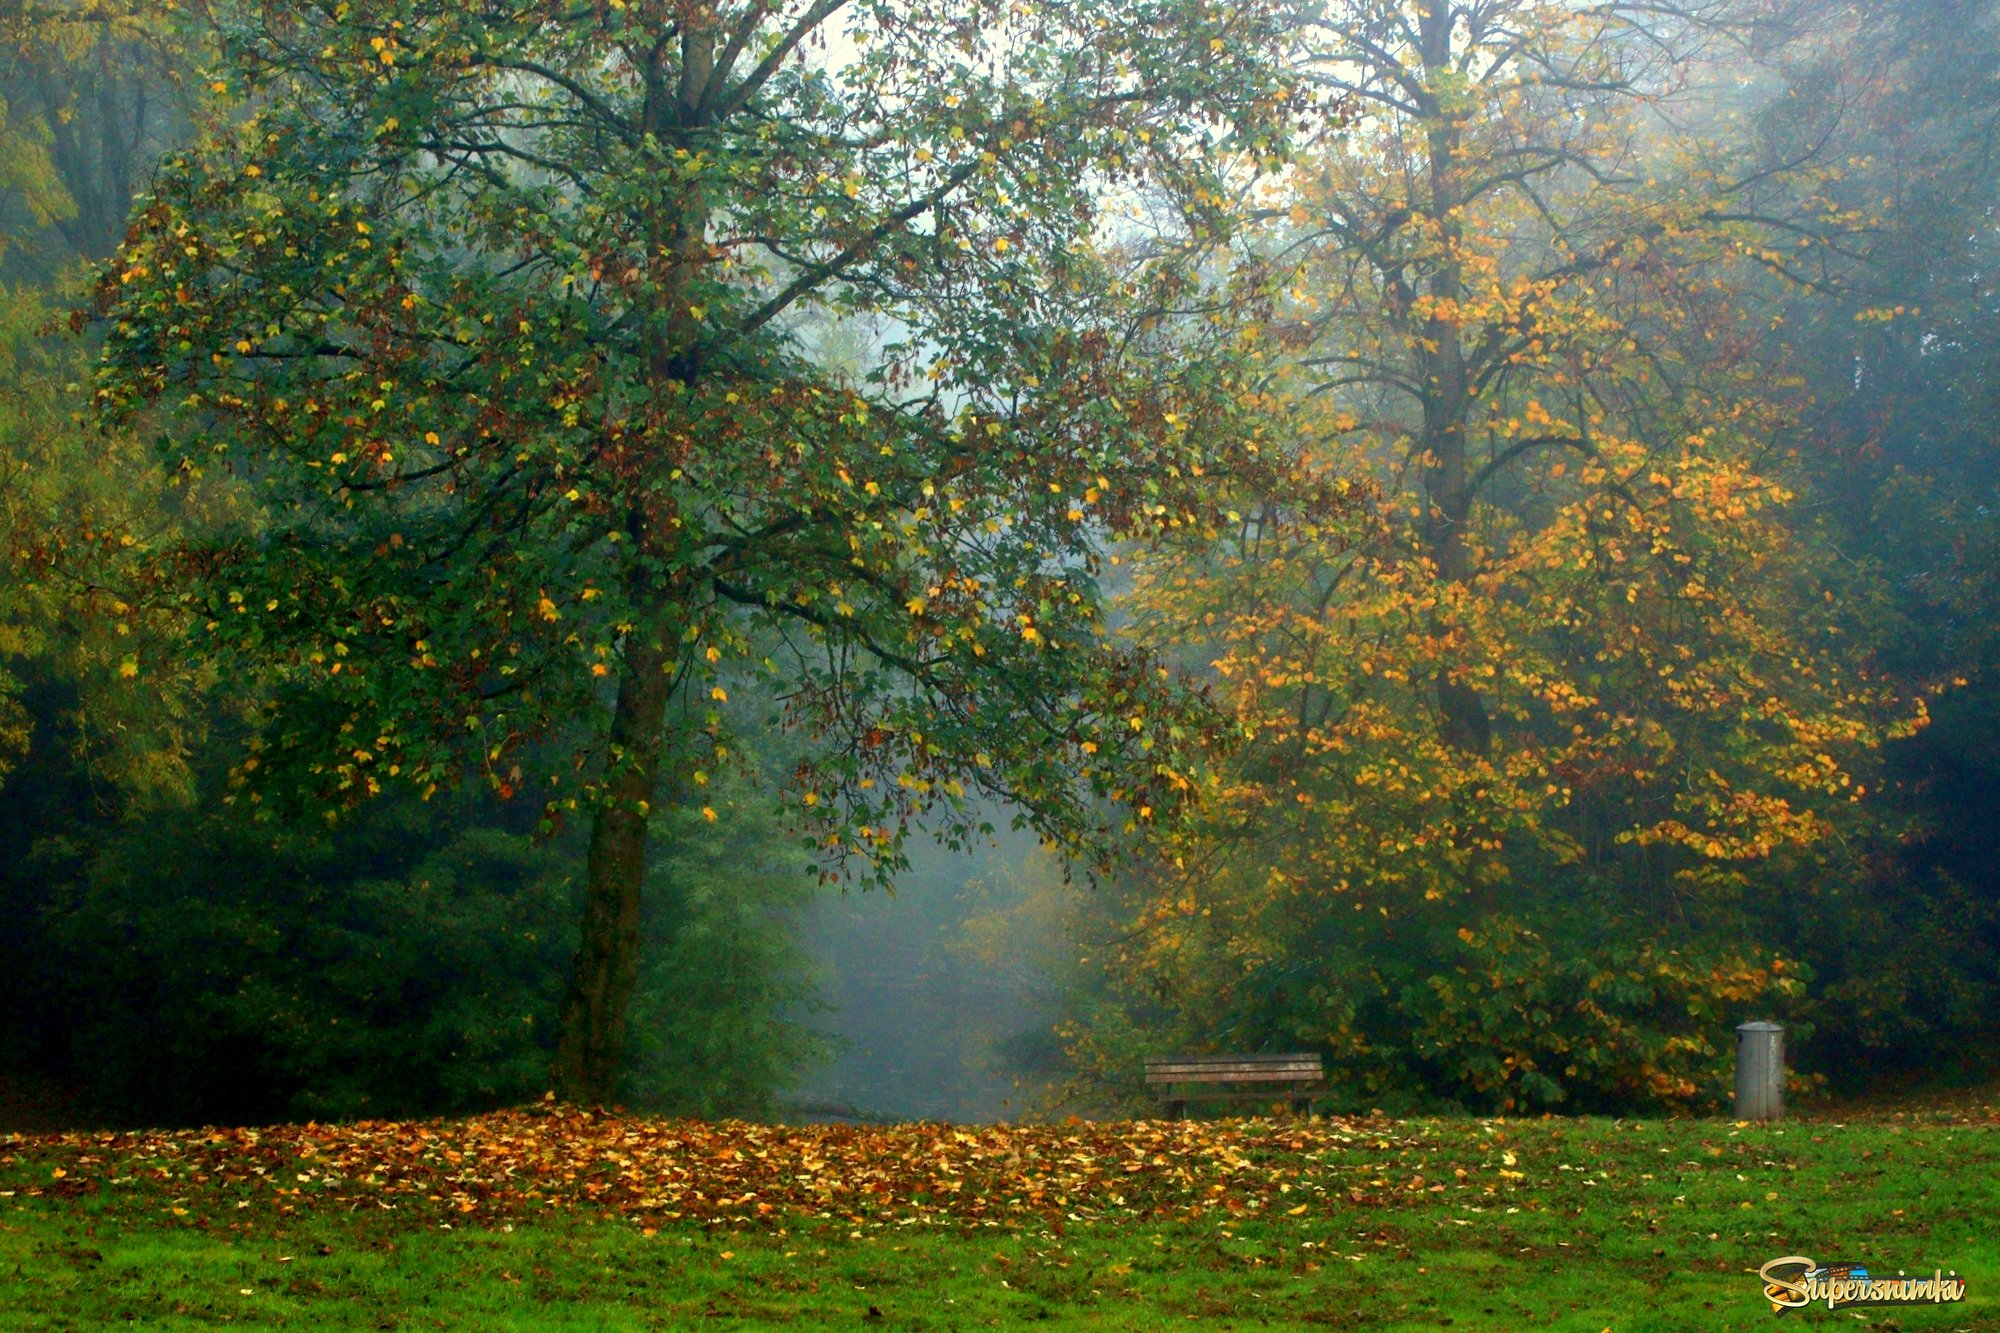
(531, 1221)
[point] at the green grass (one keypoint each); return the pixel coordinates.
(1558, 1224)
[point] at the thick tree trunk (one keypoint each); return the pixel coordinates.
(1462, 719)
(592, 1041)
(591, 1047)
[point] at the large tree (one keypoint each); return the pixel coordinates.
(508, 309)
(1527, 744)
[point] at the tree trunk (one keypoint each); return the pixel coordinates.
(592, 1041)
(1462, 720)
(591, 1046)
(609, 949)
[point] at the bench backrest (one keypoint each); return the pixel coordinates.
(1295, 1068)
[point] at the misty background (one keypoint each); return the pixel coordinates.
(924, 1027)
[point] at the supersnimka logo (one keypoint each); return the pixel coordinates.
(1797, 1283)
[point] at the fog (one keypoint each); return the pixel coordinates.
(924, 1028)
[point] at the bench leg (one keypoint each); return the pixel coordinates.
(1302, 1106)
(1177, 1110)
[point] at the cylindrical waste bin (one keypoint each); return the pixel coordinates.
(1760, 1071)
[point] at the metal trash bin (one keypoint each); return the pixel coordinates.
(1760, 1071)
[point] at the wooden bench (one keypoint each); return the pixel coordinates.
(1243, 1077)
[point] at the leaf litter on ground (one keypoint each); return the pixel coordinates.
(520, 1163)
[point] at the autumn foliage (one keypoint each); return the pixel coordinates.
(1526, 752)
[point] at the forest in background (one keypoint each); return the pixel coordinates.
(1610, 658)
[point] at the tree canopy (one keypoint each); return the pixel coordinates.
(501, 309)
(1529, 743)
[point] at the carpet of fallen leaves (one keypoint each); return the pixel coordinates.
(520, 1163)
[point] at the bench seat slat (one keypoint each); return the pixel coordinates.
(1234, 1067)
(1206, 1061)
(1266, 1095)
(1197, 1070)
(1263, 1075)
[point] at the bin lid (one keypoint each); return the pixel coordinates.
(1760, 1026)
